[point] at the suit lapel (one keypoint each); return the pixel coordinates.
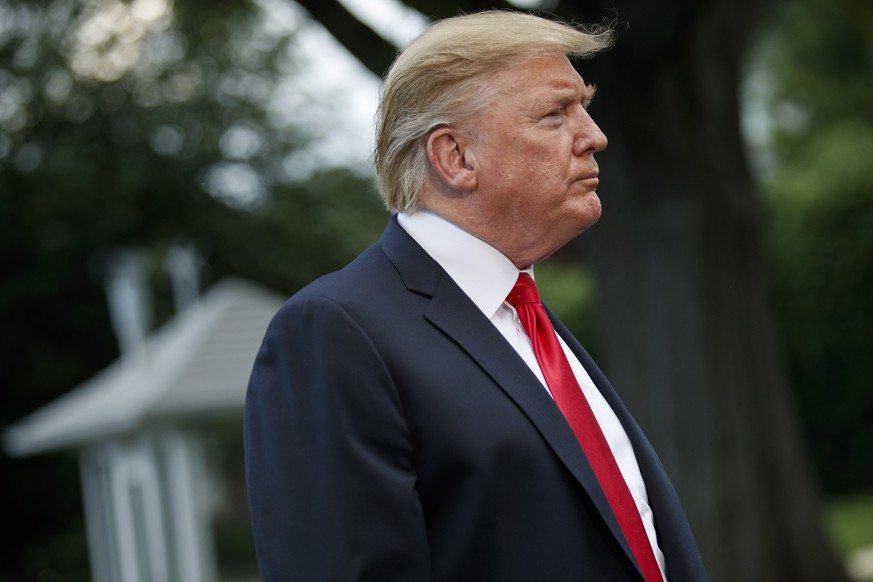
(457, 316)
(646, 456)
(662, 497)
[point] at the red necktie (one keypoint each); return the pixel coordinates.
(573, 404)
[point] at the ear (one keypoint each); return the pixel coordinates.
(451, 158)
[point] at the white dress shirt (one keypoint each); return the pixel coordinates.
(487, 276)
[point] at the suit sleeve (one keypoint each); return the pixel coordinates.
(329, 464)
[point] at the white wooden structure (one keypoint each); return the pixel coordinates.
(138, 428)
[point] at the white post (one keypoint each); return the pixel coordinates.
(129, 300)
(183, 264)
(189, 495)
(122, 514)
(149, 509)
(99, 524)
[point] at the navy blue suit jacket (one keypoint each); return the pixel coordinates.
(392, 434)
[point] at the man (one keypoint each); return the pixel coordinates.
(416, 416)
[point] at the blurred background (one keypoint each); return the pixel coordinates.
(171, 171)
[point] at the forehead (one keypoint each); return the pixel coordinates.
(543, 77)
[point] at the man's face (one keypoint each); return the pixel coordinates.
(534, 152)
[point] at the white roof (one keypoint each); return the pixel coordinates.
(196, 365)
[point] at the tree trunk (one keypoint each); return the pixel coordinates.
(687, 328)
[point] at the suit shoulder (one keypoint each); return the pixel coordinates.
(369, 269)
(355, 289)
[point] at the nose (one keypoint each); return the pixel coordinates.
(589, 138)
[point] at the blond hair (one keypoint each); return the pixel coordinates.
(441, 79)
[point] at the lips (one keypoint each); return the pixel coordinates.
(592, 175)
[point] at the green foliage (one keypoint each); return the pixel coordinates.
(568, 289)
(821, 57)
(820, 202)
(850, 521)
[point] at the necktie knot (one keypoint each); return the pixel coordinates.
(525, 291)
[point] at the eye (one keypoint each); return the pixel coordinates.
(556, 112)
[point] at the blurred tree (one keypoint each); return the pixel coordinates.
(820, 184)
(137, 124)
(688, 334)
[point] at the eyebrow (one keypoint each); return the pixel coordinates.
(565, 97)
(590, 91)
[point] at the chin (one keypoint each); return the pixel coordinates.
(594, 208)
(588, 216)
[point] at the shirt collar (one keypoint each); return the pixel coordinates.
(482, 272)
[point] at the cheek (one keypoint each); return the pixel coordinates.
(533, 177)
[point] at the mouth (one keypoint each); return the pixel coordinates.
(592, 173)
(591, 179)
